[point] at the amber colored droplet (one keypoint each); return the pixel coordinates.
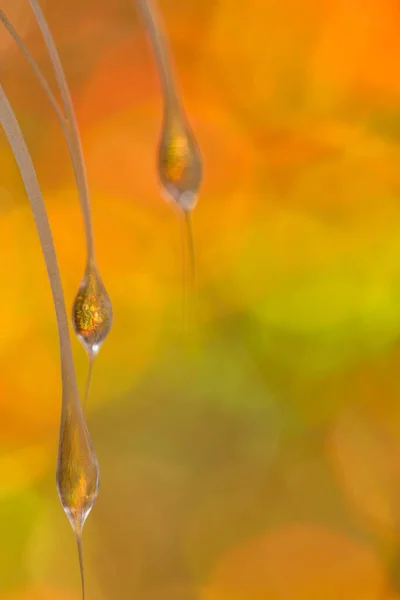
(78, 474)
(77, 468)
(180, 165)
(92, 311)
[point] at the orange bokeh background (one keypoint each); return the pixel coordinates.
(259, 461)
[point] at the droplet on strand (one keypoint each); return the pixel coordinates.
(78, 475)
(92, 311)
(179, 162)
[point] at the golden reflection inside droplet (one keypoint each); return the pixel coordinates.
(77, 469)
(92, 311)
(180, 166)
(175, 158)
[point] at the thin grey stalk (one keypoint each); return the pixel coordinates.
(78, 162)
(77, 467)
(31, 184)
(158, 43)
(39, 75)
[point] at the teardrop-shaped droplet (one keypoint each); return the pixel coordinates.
(179, 162)
(77, 468)
(78, 474)
(92, 311)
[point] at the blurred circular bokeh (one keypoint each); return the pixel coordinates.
(257, 457)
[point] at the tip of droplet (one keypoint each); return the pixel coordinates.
(188, 200)
(93, 350)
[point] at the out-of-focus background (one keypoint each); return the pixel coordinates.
(259, 460)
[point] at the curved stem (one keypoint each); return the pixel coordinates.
(75, 141)
(159, 46)
(18, 145)
(39, 75)
(46, 88)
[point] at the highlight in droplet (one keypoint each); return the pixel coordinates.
(179, 162)
(78, 474)
(92, 311)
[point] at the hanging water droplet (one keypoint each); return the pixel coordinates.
(77, 472)
(77, 468)
(180, 169)
(92, 311)
(179, 162)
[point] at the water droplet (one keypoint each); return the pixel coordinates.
(92, 311)
(77, 469)
(77, 472)
(179, 162)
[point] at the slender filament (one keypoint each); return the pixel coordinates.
(77, 466)
(78, 536)
(191, 250)
(188, 271)
(67, 121)
(185, 279)
(159, 46)
(31, 184)
(75, 141)
(179, 160)
(64, 124)
(38, 73)
(88, 379)
(81, 180)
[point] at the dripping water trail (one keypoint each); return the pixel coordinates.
(192, 255)
(189, 272)
(78, 536)
(88, 380)
(184, 274)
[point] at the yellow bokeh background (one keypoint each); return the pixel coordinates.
(259, 459)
